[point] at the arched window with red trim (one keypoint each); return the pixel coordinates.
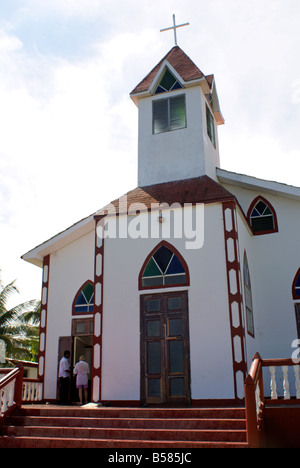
(262, 217)
(84, 300)
(164, 267)
(296, 286)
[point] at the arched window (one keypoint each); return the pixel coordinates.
(296, 297)
(164, 267)
(84, 299)
(296, 286)
(262, 217)
(248, 298)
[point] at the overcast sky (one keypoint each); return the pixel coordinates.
(68, 129)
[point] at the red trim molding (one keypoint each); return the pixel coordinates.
(254, 202)
(178, 255)
(235, 298)
(43, 321)
(98, 310)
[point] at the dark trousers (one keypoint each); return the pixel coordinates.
(64, 384)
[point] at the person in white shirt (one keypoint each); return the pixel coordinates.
(81, 370)
(64, 378)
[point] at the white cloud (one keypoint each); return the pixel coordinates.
(81, 8)
(259, 156)
(296, 91)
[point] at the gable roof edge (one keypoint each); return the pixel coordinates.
(253, 183)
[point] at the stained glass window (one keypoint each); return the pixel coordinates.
(85, 300)
(164, 268)
(261, 217)
(248, 298)
(297, 310)
(296, 286)
(167, 83)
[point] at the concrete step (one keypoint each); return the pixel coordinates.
(128, 434)
(46, 442)
(54, 426)
(130, 423)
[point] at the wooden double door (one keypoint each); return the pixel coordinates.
(165, 350)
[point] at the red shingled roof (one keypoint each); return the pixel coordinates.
(197, 190)
(179, 61)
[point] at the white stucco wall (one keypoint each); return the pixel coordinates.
(70, 267)
(179, 154)
(273, 262)
(210, 345)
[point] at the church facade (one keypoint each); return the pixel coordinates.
(171, 289)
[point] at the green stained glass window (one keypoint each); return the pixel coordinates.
(85, 299)
(164, 268)
(262, 218)
(167, 83)
(152, 269)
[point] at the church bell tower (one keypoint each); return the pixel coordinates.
(178, 115)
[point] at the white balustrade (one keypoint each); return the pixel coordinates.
(286, 377)
(7, 396)
(32, 391)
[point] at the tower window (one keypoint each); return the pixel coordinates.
(167, 83)
(262, 217)
(210, 122)
(169, 114)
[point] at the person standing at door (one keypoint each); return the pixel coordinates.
(64, 378)
(81, 370)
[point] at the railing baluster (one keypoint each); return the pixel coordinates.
(258, 400)
(286, 384)
(273, 383)
(297, 381)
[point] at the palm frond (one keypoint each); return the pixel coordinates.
(6, 292)
(19, 326)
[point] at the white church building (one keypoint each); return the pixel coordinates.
(171, 289)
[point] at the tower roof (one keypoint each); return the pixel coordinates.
(188, 72)
(183, 65)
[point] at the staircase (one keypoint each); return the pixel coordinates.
(46, 426)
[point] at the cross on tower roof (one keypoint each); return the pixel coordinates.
(175, 26)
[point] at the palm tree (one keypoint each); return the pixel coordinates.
(30, 326)
(18, 325)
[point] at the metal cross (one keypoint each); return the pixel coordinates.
(175, 26)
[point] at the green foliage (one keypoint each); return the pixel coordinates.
(19, 325)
